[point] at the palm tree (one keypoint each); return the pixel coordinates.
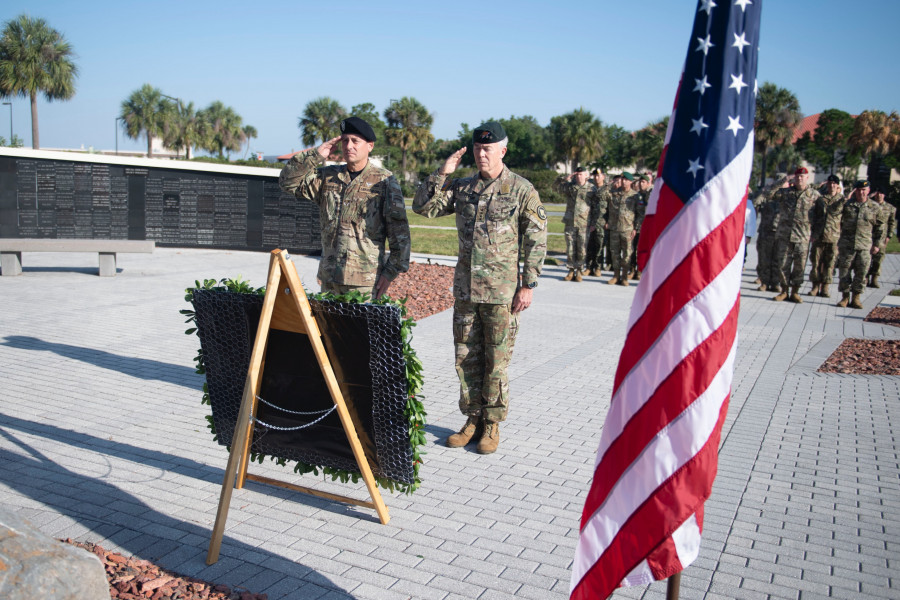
(321, 120)
(249, 132)
(777, 116)
(224, 129)
(409, 127)
(184, 129)
(35, 58)
(876, 134)
(146, 112)
(578, 136)
(648, 144)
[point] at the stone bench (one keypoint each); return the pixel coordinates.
(11, 250)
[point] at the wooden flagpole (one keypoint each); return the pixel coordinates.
(673, 586)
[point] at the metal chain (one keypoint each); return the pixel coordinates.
(294, 412)
(310, 424)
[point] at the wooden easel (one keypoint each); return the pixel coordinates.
(285, 308)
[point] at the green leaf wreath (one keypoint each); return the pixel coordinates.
(415, 409)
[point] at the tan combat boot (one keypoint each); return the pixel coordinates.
(623, 279)
(637, 275)
(490, 439)
(855, 303)
(472, 427)
(596, 272)
(577, 277)
(795, 295)
(780, 297)
(874, 283)
(762, 287)
(845, 299)
(614, 280)
(569, 275)
(823, 291)
(815, 290)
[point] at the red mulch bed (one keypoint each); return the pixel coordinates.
(135, 579)
(429, 289)
(868, 357)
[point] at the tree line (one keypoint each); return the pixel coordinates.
(36, 59)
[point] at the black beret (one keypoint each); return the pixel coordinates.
(596, 172)
(489, 133)
(834, 179)
(862, 183)
(359, 127)
(581, 169)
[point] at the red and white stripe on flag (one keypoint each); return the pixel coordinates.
(658, 452)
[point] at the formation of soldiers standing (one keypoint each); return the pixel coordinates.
(602, 223)
(849, 231)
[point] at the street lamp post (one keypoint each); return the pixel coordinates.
(117, 134)
(180, 109)
(9, 104)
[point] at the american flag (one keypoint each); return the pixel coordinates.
(658, 452)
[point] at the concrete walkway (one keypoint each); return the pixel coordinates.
(103, 439)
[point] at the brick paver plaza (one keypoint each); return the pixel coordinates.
(103, 439)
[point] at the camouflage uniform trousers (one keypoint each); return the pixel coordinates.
(484, 336)
(875, 267)
(822, 256)
(620, 248)
(790, 258)
(337, 288)
(576, 243)
(858, 262)
(594, 253)
(632, 263)
(765, 260)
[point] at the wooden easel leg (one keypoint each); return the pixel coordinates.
(673, 586)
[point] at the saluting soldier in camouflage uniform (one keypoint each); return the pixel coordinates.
(579, 193)
(499, 217)
(889, 223)
(598, 236)
(794, 228)
(644, 187)
(624, 215)
(360, 206)
(826, 230)
(767, 209)
(860, 224)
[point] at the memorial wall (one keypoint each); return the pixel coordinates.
(47, 194)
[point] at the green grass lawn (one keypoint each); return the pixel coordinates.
(893, 246)
(446, 242)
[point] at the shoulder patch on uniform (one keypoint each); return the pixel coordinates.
(505, 188)
(446, 184)
(542, 213)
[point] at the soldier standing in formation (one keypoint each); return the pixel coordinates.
(860, 224)
(598, 236)
(644, 187)
(889, 222)
(579, 194)
(499, 217)
(794, 228)
(624, 214)
(767, 209)
(826, 230)
(360, 207)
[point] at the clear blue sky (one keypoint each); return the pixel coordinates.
(465, 61)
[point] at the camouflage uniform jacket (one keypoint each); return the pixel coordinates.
(767, 210)
(889, 223)
(860, 224)
(643, 199)
(625, 211)
(356, 217)
(600, 207)
(826, 225)
(578, 202)
(496, 221)
(796, 208)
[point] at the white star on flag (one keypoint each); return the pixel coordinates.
(737, 83)
(701, 85)
(707, 5)
(743, 4)
(740, 42)
(694, 166)
(705, 45)
(699, 125)
(734, 124)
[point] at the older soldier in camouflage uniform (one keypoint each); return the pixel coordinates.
(860, 224)
(889, 223)
(499, 217)
(598, 236)
(360, 206)
(624, 215)
(826, 230)
(579, 193)
(767, 209)
(796, 207)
